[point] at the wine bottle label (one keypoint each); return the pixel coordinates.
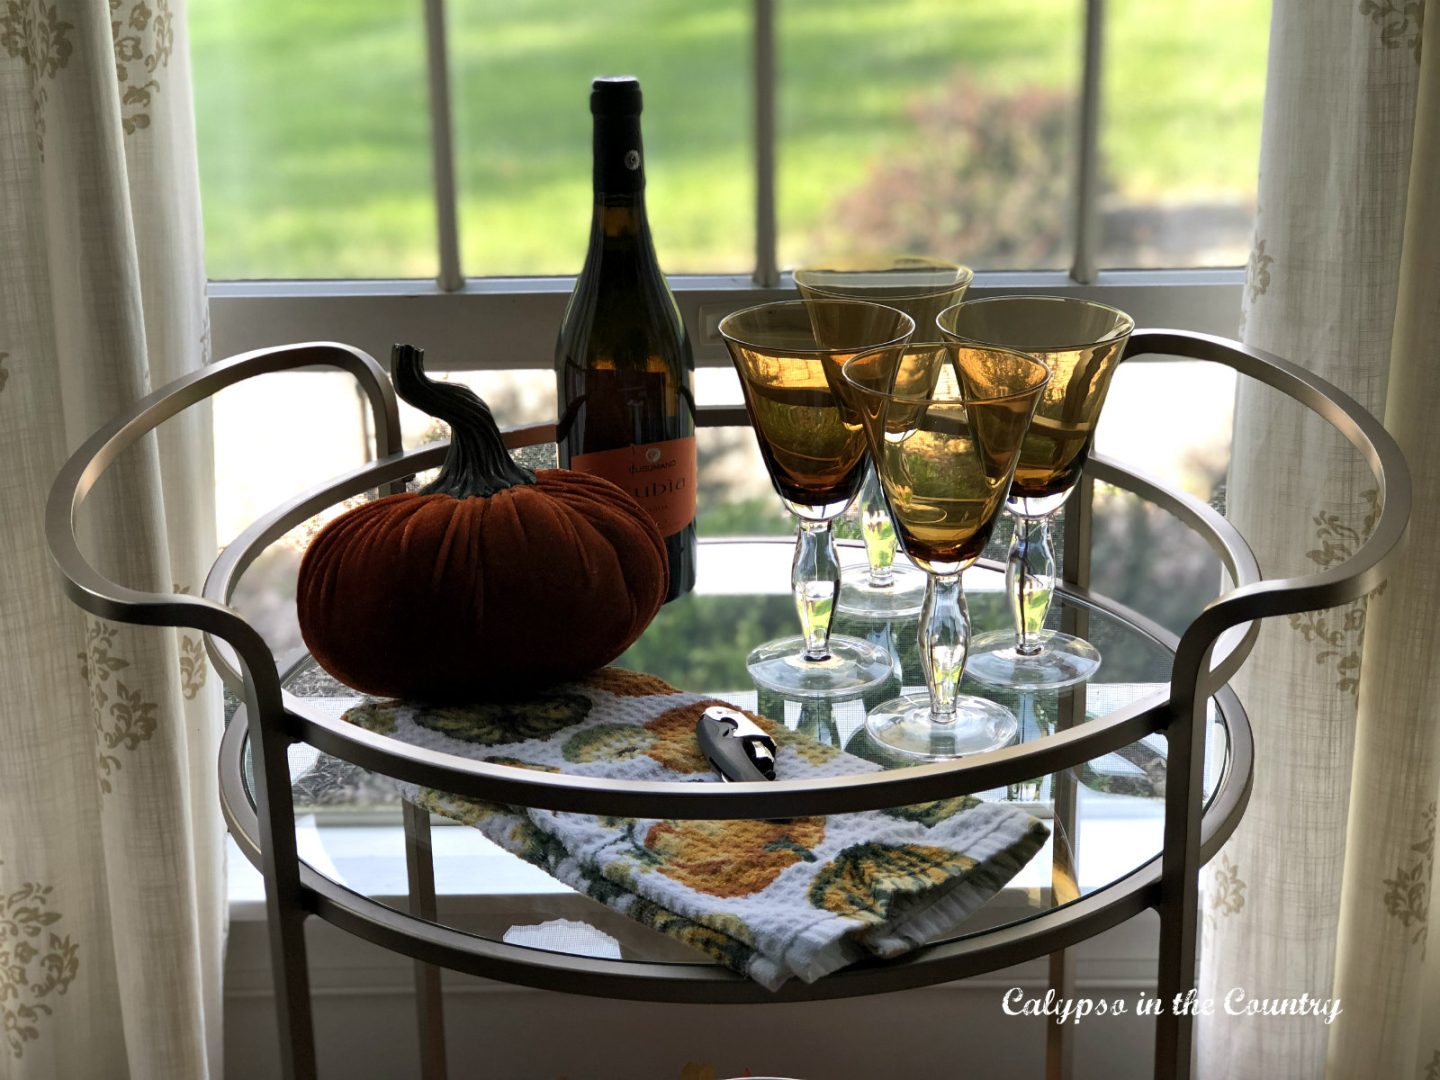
(660, 476)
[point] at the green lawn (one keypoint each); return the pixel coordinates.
(313, 127)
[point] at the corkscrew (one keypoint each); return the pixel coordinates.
(736, 746)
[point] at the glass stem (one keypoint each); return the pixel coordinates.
(815, 578)
(1030, 581)
(882, 637)
(878, 532)
(817, 720)
(944, 643)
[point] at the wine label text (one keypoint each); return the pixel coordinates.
(659, 476)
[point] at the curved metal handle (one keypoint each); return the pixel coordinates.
(1359, 574)
(100, 596)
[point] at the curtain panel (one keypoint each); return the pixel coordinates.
(1325, 889)
(112, 906)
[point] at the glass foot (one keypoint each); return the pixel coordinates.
(904, 726)
(903, 596)
(1063, 660)
(852, 667)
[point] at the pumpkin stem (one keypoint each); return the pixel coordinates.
(478, 463)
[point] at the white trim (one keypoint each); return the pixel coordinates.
(500, 323)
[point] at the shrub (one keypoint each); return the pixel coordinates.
(986, 179)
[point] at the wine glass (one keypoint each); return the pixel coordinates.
(945, 451)
(1081, 342)
(921, 287)
(788, 356)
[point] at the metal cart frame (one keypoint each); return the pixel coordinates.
(1206, 655)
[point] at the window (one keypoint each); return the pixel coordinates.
(1012, 135)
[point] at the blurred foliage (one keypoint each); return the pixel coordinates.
(988, 180)
(700, 642)
(1147, 559)
(750, 517)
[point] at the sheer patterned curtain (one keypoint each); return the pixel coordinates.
(111, 847)
(1326, 887)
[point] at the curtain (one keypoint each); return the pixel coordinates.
(1325, 889)
(112, 908)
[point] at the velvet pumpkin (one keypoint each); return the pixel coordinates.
(491, 580)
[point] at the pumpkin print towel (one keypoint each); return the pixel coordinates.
(770, 899)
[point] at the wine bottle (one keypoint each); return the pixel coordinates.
(623, 364)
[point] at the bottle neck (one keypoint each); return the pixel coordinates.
(618, 218)
(619, 162)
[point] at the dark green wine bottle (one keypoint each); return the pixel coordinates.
(623, 365)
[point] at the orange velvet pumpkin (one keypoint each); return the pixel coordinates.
(490, 580)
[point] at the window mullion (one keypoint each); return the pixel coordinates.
(1087, 178)
(767, 273)
(442, 148)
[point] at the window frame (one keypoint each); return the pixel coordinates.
(511, 323)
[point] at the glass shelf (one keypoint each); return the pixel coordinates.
(1106, 816)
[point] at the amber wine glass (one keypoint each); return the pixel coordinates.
(1081, 342)
(788, 356)
(922, 287)
(945, 451)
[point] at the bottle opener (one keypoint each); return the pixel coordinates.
(736, 746)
